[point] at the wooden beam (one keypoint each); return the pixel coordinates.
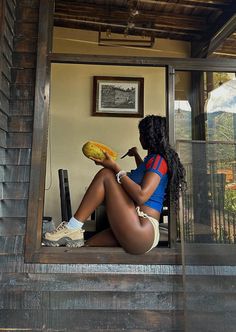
(197, 254)
(223, 34)
(206, 5)
(225, 27)
(227, 48)
(211, 2)
(200, 4)
(225, 54)
(119, 15)
(210, 64)
(38, 168)
(119, 28)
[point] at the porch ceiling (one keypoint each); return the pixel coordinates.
(209, 25)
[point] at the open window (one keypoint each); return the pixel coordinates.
(71, 75)
(71, 101)
(52, 69)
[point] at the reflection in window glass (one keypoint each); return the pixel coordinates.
(183, 119)
(208, 101)
(182, 107)
(209, 204)
(221, 109)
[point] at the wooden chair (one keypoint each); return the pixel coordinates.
(66, 214)
(64, 195)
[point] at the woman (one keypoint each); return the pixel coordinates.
(133, 200)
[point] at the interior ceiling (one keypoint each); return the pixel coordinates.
(209, 25)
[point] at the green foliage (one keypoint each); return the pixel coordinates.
(222, 127)
(230, 200)
(220, 78)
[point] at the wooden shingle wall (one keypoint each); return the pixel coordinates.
(7, 17)
(72, 297)
(17, 93)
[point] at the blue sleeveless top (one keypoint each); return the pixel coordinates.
(156, 164)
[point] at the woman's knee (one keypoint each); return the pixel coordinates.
(106, 173)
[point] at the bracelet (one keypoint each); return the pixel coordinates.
(120, 175)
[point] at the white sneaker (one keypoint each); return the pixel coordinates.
(63, 236)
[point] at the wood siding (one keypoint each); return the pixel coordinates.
(78, 297)
(7, 21)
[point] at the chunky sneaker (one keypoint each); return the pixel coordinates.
(63, 236)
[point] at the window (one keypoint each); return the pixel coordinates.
(35, 252)
(51, 68)
(205, 134)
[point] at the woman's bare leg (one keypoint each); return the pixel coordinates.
(93, 197)
(134, 235)
(104, 238)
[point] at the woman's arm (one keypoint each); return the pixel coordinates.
(139, 193)
(133, 152)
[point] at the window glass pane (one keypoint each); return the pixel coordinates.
(208, 102)
(220, 106)
(182, 107)
(207, 227)
(209, 204)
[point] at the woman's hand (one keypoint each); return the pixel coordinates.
(132, 152)
(107, 162)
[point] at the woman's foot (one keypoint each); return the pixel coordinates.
(63, 236)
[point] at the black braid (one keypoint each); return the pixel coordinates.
(155, 138)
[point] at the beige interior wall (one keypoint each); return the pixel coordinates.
(86, 42)
(71, 123)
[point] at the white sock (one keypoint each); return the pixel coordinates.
(74, 224)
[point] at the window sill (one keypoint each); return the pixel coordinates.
(95, 255)
(195, 254)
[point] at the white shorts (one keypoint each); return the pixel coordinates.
(155, 224)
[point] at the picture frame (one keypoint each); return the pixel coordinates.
(118, 96)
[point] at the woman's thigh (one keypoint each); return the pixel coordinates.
(133, 233)
(105, 238)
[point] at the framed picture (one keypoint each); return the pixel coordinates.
(118, 96)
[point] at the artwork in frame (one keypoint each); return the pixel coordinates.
(118, 96)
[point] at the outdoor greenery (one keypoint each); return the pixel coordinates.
(220, 124)
(230, 200)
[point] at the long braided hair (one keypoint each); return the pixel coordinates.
(154, 137)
